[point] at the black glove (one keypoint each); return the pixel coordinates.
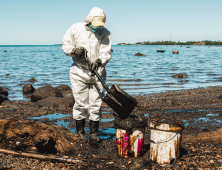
(95, 65)
(78, 51)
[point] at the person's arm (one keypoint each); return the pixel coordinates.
(69, 42)
(105, 49)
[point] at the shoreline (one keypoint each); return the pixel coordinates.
(189, 105)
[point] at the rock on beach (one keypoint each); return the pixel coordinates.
(53, 96)
(3, 91)
(46, 138)
(6, 103)
(62, 87)
(64, 90)
(3, 98)
(139, 54)
(28, 89)
(44, 92)
(56, 101)
(32, 79)
(180, 75)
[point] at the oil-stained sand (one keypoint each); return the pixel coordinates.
(199, 109)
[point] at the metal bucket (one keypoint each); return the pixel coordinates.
(165, 143)
(130, 145)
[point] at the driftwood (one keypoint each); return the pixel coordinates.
(41, 156)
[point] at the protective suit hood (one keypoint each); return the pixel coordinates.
(95, 13)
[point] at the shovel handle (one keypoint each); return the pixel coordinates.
(97, 74)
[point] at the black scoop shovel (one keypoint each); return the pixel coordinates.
(121, 102)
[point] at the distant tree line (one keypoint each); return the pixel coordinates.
(205, 42)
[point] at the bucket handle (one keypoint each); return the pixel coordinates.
(165, 140)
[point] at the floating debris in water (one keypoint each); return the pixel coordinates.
(180, 75)
(139, 54)
(32, 79)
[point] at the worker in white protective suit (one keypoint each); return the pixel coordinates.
(89, 37)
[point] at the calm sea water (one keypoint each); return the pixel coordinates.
(136, 74)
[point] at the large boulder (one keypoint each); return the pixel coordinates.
(44, 92)
(3, 98)
(70, 101)
(67, 93)
(62, 87)
(65, 90)
(28, 89)
(3, 91)
(56, 101)
(45, 138)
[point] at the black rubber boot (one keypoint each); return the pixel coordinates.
(80, 124)
(94, 126)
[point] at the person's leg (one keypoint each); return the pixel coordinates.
(80, 125)
(94, 126)
(96, 94)
(80, 91)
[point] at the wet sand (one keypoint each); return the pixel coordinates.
(199, 109)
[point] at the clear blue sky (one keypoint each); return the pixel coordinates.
(44, 22)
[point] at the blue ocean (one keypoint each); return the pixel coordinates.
(137, 75)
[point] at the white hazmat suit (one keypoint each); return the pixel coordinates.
(87, 89)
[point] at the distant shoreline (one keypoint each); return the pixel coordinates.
(121, 44)
(205, 42)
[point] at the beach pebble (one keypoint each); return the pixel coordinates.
(193, 149)
(211, 161)
(110, 163)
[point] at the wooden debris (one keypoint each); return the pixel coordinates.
(41, 156)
